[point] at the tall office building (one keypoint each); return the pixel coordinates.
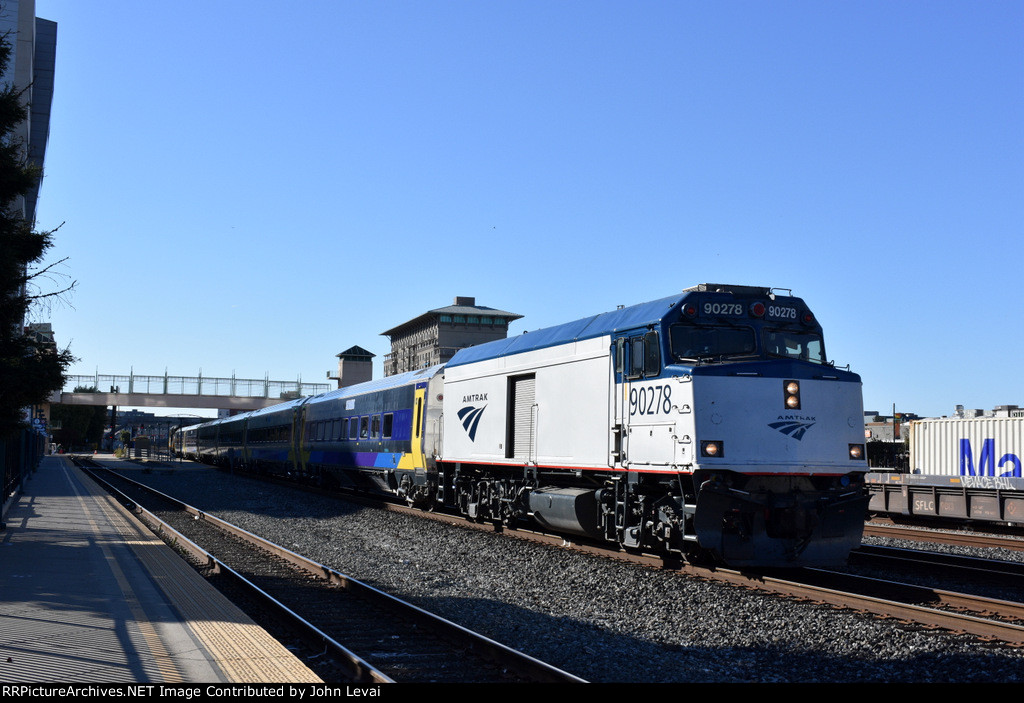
(34, 44)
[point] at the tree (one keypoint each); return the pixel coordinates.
(80, 425)
(29, 371)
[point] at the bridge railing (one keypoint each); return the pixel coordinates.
(196, 385)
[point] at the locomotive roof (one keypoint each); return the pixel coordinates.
(630, 317)
(626, 318)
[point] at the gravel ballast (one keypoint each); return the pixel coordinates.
(600, 620)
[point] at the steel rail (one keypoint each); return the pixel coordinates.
(528, 666)
(358, 668)
(939, 537)
(903, 610)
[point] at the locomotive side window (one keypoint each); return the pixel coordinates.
(636, 357)
(652, 354)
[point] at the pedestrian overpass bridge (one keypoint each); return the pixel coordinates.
(198, 392)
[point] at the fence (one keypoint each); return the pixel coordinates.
(19, 455)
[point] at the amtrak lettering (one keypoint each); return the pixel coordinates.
(474, 398)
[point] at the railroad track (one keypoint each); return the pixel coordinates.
(372, 635)
(963, 539)
(986, 619)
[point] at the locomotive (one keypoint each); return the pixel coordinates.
(704, 425)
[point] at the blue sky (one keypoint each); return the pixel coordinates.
(253, 187)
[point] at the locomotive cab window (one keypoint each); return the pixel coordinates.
(702, 343)
(644, 356)
(786, 344)
(636, 357)
(652, 354)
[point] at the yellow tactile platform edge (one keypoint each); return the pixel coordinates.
(243, 650)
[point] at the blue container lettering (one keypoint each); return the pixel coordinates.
(987, 461)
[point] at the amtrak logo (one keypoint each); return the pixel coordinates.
(470, 417)
(793, 427)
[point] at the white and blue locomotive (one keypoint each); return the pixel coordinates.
(708, 423)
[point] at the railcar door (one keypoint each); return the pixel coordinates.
(647, 403)
(520, 442)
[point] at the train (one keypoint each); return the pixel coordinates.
(961, 469)
(707, 426)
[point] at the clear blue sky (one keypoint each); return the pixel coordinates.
(252, 187)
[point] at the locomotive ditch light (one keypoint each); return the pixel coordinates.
(856, 451)
(712, 449)
(791, 392)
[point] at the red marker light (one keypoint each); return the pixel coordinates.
(757, 309)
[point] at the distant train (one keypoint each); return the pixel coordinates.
(708, 424)
(959, 468)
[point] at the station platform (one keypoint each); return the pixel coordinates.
(88, 594)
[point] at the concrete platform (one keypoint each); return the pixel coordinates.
(88, 594)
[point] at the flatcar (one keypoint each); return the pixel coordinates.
(962, 469)
(708, 424)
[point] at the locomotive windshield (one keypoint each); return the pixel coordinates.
(787, 344)
(706, 343)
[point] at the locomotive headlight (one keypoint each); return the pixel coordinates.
(791, 390)
(856, 451)
(712, 449)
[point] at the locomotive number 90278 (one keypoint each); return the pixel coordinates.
(720, 309)
(650, 400)
(779, 312)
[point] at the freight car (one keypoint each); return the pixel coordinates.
(705, 424)
(959, 468)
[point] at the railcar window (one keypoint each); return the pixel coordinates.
(344, 428)
(693, 342)
(364, 427)
(353, 428)
(375, 427)
(389, 420)
(805, 346)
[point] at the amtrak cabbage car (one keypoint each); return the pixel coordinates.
(708, 421)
